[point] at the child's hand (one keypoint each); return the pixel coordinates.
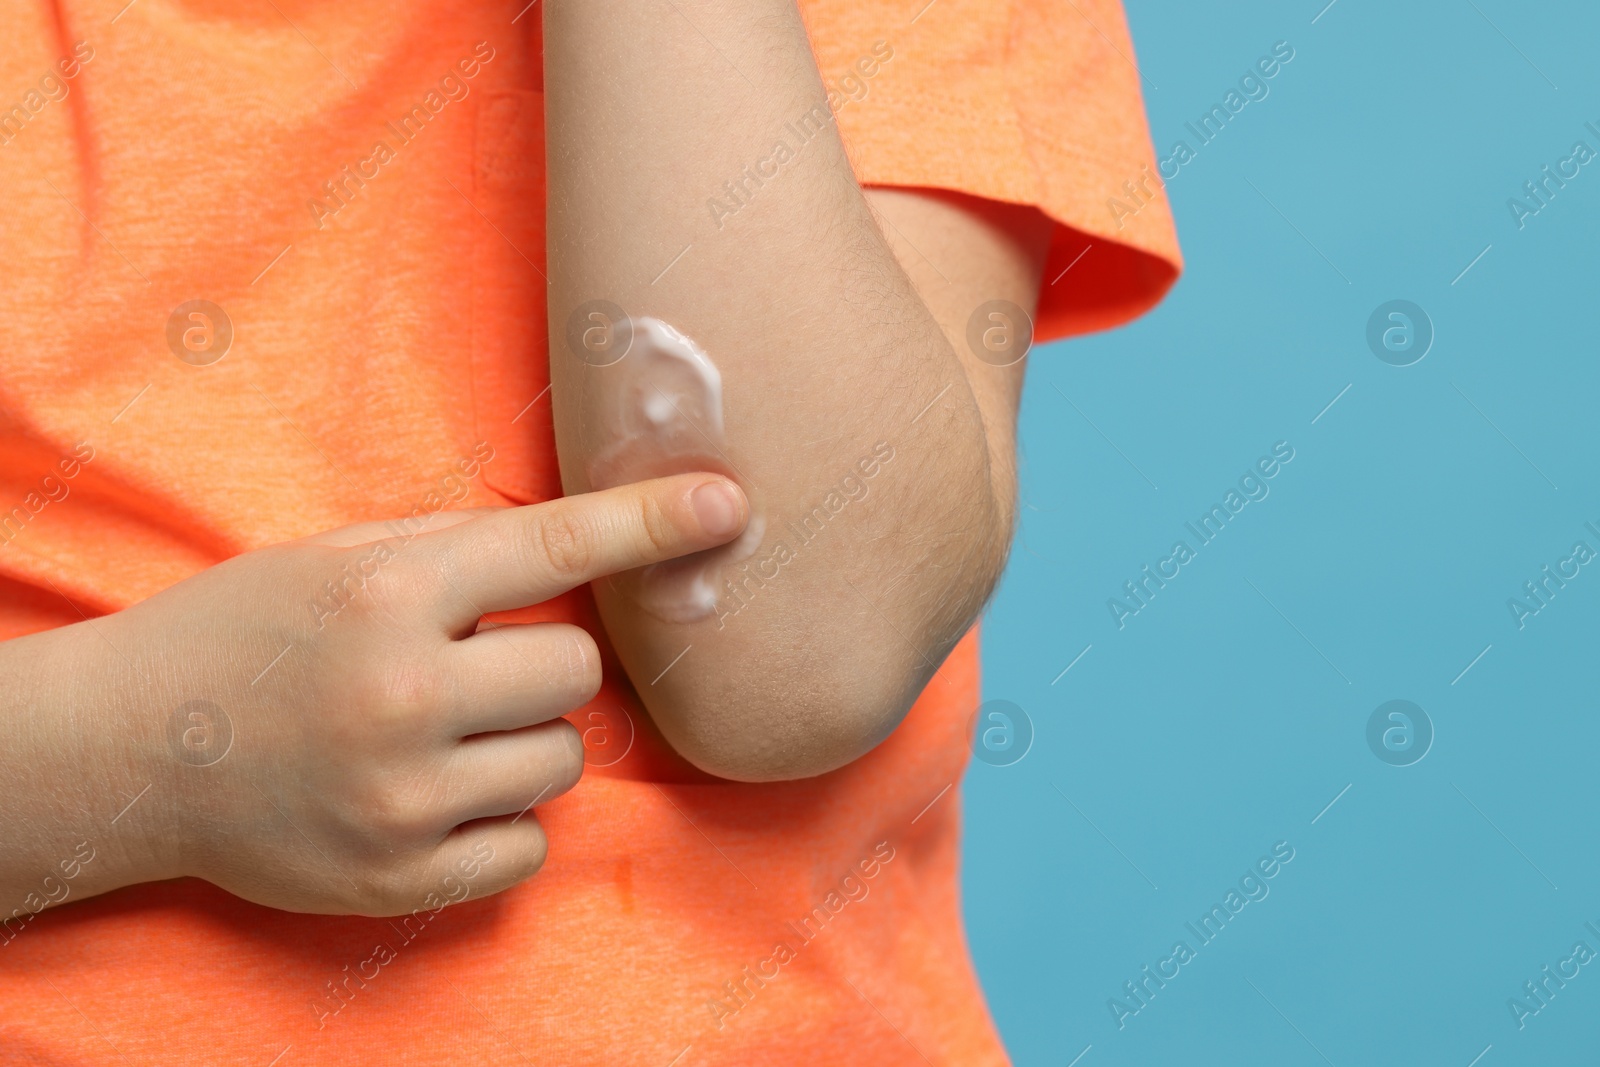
(353, 749)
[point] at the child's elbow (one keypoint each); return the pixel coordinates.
(783, 725)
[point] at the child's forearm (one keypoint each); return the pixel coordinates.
(696, 177)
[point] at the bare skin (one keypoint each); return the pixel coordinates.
(384, 751)
(839, 320)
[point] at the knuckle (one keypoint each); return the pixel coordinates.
(382, 707)
(656, 530)
(564, 542)
(397, 814)
(389, 889)
(515, 858)
(589, 683)
(538, 850)
(405, 688)
(356, 584)
(580, 660)
(563, 757)
(399, 811)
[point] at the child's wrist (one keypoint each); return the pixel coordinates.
(118, 761)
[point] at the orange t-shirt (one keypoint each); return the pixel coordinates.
(379, 329)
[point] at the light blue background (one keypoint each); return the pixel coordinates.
(1212, 726)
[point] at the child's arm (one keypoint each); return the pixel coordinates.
(357, 760)
(696, 177)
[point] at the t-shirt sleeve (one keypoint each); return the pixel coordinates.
(1029, 102)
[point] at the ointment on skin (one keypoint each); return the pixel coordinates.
(655, 412)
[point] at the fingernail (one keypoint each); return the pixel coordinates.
(716, 505)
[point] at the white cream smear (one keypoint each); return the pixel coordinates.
(658, 411)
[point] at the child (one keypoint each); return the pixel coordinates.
(301, 511)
